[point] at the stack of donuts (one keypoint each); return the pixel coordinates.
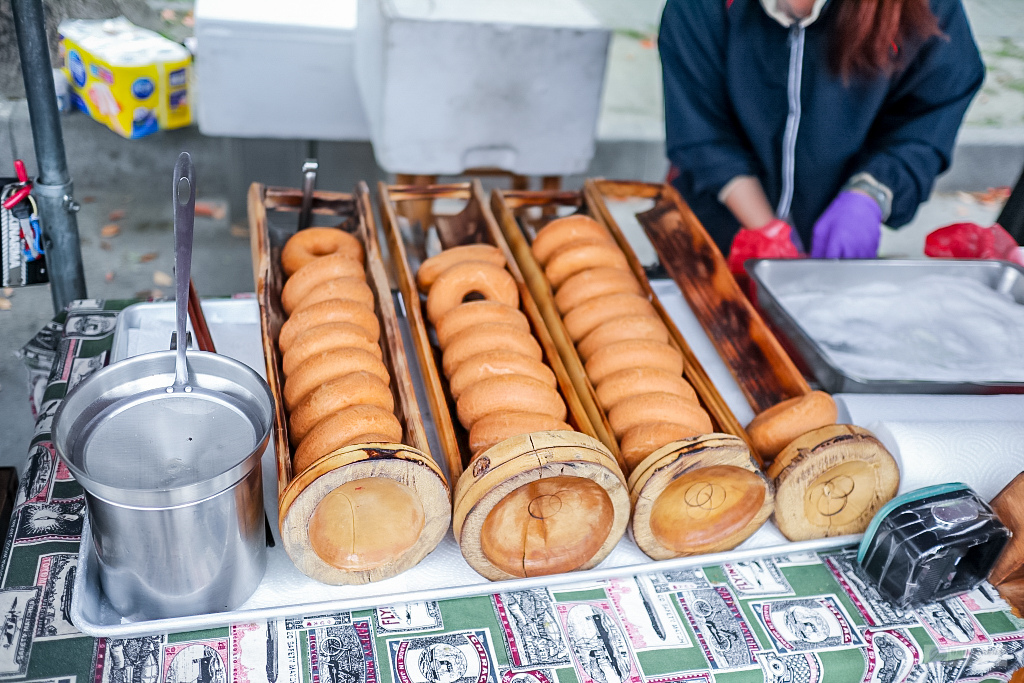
(336, 388)
(625, 346)
(494, 365)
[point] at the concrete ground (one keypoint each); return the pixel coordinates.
(123, 183)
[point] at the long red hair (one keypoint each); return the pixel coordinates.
(868, 35)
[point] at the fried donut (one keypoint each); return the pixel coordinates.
(326, 366)
(633, 353)
(632, 381)
(497, 362)
(369, 438)
(640, 441)
(324, 338)
(356, 388)
(339, 429)
(487, 337)
(313, 243)
(563, 231)
(315, 272)
(496, 427)
(332, 311)
(586, 317)
(476, 313)
(348, 288)
(658, 407)
(775, 428)
(435, 265)
(508, 394)
(492, 282)
(621, 329)
(590, 284)
(579, 256)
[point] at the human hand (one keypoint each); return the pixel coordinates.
(773, 240)
(851, 227)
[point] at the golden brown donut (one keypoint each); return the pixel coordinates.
(327, 365)
(313, 243)
(476, 313)
(621, 329)
(356, 388)
(369, 438)
(313, 273)
(775, 428)
(633, 353)
(335, 431)
(324, 338)
(349, 288)
(496, 427)
(487, 337)
(563, 231)
(492, 282)
(497, 362)
(435, 265)
(586, 317)
(579, 256)
(590, 284)
(642, 380)
(640, 441)
(507, 394)
(332, 311)
(658, 407)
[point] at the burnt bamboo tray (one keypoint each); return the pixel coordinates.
(763, 370)
(272, 214)
(407, 214)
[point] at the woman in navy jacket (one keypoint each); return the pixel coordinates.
(830, 116)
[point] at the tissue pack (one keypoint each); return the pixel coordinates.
(130, 79)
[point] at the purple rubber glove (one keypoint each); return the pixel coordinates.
(851, 227)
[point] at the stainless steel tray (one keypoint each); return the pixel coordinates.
(770, 275)
(284, 591)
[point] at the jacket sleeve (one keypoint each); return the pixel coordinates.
(911, 140)
(702, 136)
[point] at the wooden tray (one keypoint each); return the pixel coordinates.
(471, 225)
(520, 211)
(763, 370)
(354, 214)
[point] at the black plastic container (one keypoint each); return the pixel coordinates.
(931, 544)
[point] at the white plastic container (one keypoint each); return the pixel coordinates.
(267, 69)
(451, 85)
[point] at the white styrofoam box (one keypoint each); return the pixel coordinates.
(278, 70)
(451, 85)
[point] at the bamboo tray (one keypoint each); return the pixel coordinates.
(512, 464)
(409, 463)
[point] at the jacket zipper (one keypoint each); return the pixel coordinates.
(796, 66)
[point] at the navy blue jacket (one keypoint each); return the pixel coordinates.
(726, 68)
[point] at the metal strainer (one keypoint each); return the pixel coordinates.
(167, 447)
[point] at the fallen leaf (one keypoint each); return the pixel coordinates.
(8, 291)
(149, 294)
(110, 230)
(156, 293)
(239, 230)
(147, 257)
(105, 245)
(163, 279)
(214, 210)
(5, 304)
(88, 199)
(116, 215)
(188, 21)
(109, 277)
(167, 14)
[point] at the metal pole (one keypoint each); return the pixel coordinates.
(52, 190)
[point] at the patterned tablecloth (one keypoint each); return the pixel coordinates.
(798, 617)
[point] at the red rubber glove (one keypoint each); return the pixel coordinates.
(770, 241)
(851, 227)
(970, 240)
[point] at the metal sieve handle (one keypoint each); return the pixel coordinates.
(184, 195)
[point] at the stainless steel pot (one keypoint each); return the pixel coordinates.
(172, 479)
